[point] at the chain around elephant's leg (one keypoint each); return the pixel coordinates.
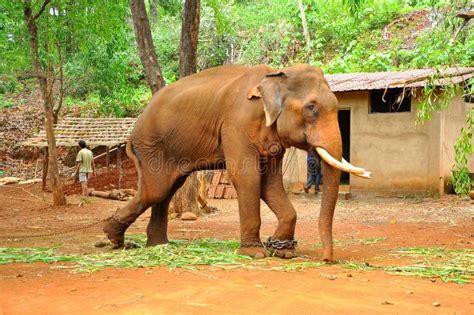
(284, 249)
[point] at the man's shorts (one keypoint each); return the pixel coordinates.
(83, 177)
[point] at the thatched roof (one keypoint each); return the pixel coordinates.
(381, 80)
(95, 131)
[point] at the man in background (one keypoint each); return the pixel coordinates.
(85, 167)
(314, 171)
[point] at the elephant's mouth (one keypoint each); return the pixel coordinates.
(344, 165)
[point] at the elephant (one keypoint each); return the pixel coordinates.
(241, 119)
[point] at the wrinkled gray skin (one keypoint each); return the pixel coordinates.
(240, 119)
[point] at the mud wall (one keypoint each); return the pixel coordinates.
(452, 120)
(403, 157)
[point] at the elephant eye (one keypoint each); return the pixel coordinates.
(311, 107)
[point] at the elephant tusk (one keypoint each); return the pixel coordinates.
(344, 165)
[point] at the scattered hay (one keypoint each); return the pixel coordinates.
(450, 265)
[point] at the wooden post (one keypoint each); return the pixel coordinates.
(45, 168)
(107, 158)
(119, 165)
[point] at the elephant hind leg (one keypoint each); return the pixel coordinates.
(116, 226)
(157, 229)
(158, 225)
(152, 190)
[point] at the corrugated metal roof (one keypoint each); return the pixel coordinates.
(381, 80)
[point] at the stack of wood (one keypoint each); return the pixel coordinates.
(220, 187)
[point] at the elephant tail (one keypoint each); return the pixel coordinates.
(131, 153)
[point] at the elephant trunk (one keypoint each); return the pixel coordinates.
(329, 147)
(331, 178)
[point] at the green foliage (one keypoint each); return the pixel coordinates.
(435, 98)
(353, 5)
(170, 7)
(5, 102)
(463, 148)
(167, 47)
(13, 42)
(101, 63)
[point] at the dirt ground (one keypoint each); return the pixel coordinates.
(429, 222)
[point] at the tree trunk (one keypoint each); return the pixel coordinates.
(58, 194)
(186, 198)
(45, 81)
(154, 11)
(44, 176)
(305, 25)
(189, 38)
(145, 46)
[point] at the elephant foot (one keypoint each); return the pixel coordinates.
(253, 249)
(284, 253)
(328, 255)
(284, 249)
(115, 229)
(156, 241)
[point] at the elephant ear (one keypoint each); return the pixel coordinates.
(269, 89)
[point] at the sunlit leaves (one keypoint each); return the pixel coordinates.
(463, 149)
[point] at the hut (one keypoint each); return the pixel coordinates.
(111, 133)
(379, 132)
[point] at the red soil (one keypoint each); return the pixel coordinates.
(42, 288)
(107, 180)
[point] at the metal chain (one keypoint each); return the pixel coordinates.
(277, 244)
(62, 232)
(251, 244)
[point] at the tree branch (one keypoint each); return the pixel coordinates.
(37, 15)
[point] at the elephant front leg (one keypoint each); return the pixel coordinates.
(247, 187)
(282, 243)
(243, 166)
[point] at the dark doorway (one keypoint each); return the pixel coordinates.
(344, 117)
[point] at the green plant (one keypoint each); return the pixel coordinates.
(5, 102)
(435, 97)
(463, 148)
